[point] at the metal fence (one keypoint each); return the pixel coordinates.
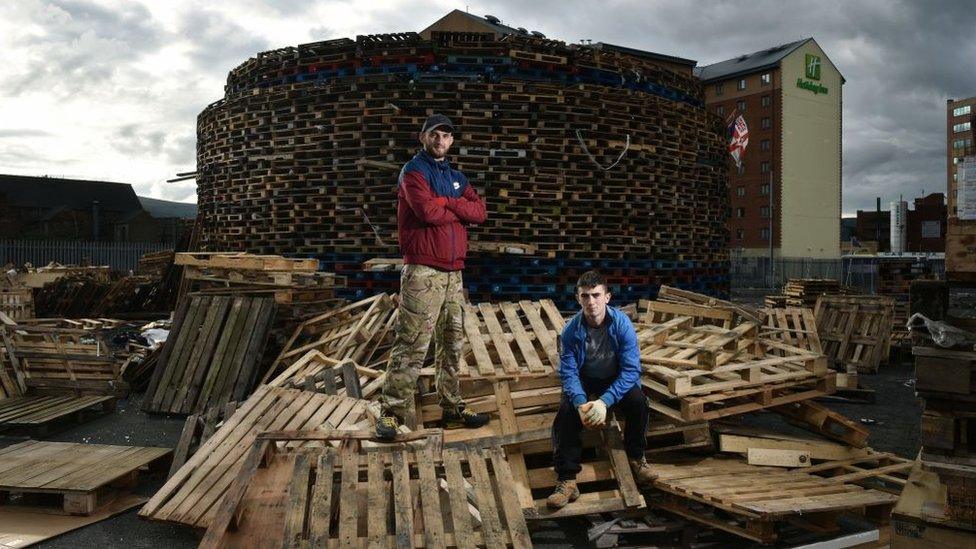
(857, 272)
(122, 256)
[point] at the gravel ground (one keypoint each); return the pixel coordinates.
(894, 425)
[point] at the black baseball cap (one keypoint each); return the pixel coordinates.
(436, 121)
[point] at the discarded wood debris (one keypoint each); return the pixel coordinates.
(510, 340)
(855, 331)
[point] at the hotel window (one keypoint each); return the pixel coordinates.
(962, 143)
(718, 89)
(764, 167)
(764, 211)
(720, 110)
(764, 145)
(741, 169)
(740, 212)
(741, 85)
(964, 127)
(959, 111)
(766, 100)
(740, 191)
(741, 105)
(766, 123)
(740, 234)
(764, 189)
(764, 233)
(766, 79)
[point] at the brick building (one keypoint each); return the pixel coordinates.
(960, 137)
(790, 97)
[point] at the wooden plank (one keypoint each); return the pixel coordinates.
(490, 523)
(778, 458)
(298, 493)
(460, 517)
(378, 501)
(349, 500)
(321, 507)
(514, 516)
(430, 499)
(497, 336)
(402, 501)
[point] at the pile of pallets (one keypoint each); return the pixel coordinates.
(942, 498)
(17, 303)
(803, 292)
(534, 135)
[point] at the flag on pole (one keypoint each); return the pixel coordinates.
(738, 139)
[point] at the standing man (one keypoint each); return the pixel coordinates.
(599, 365)
(435, 203)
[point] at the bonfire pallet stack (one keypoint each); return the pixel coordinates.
(290, 160)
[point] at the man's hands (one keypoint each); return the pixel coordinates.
(593, 413)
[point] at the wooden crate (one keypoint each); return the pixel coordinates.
(757, 497)
(83, 476)
(392, 495)
(59, 360)
(212, 355)
(855, 331)
(943, 374)
(361, 331)
(511, 340)
(794, 326)
(190, 496)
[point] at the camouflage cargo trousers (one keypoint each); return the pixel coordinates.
(431, 305)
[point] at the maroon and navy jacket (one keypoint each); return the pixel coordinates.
(432, 234)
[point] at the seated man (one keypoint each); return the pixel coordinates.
(599, 365)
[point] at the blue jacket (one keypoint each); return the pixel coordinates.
(622, 336)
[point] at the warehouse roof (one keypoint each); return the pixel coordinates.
(168, 208)
(752, 62)
(74, 194)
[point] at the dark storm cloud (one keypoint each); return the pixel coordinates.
(901, 59)
(76, 44)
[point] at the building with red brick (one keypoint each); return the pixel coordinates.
(960, 136)
(790, 97)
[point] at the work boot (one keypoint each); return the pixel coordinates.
(454, 418)
(566, 491)
(387, 428)
(642, 472)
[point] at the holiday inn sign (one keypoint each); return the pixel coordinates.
(812, 70)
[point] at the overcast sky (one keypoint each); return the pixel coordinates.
(110, 90)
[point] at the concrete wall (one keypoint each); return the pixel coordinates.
(811, 159)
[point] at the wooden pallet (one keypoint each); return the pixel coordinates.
(360, 331)
(706, 372)
(191, 495)
(755, 498)
(212, 355)
(83, 475)
(245, 262)
(511, 340)
(855, 331)
(794, 326)
(408, 497)
(658, 312)
(39, 415)
(675, 295)
(58, 359)
(319, 373)
(822, 420)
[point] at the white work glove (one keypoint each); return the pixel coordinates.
(594, 413)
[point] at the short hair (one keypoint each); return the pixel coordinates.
(592, 279)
